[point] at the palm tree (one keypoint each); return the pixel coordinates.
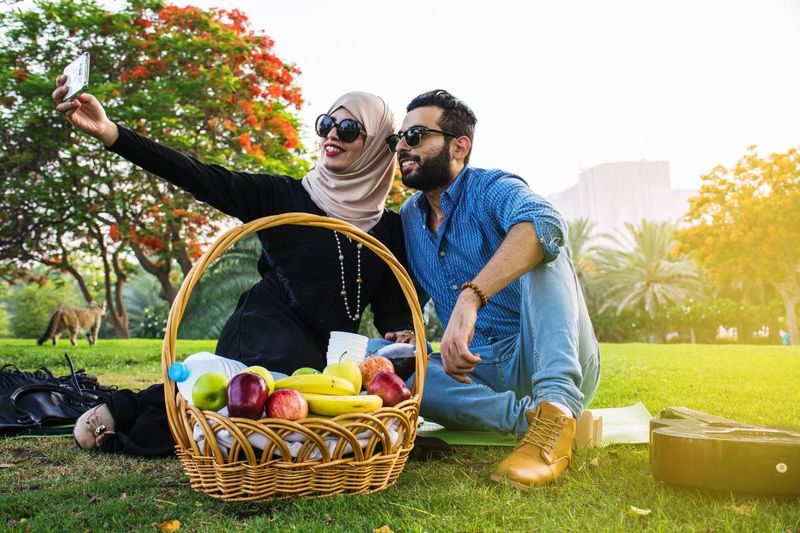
(215, 296)
(584, 251)
(640, 271)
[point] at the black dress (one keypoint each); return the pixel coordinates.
(283, 322)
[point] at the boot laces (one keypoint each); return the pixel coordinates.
(543, 434)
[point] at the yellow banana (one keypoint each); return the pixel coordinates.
(316, 383)
(323, 404)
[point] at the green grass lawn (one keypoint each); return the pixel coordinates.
(47, 485)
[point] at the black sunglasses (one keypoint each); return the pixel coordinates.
(413, 136)
(347, 130)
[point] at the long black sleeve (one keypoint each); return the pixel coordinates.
(238, 194)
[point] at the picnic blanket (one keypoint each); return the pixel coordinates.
(629, 424)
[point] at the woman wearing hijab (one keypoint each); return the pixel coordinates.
(313, 280)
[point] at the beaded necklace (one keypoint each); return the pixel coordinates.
(359, 281)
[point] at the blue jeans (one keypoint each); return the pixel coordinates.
(554, 358)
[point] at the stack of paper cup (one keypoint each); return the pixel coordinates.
(344, 346)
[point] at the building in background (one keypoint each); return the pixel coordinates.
(627, 191)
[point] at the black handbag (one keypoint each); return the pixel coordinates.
(38, 403)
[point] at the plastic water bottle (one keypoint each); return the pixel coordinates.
(186, 372)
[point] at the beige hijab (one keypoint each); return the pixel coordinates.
(358, 194)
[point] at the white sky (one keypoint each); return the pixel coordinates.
(561, 85)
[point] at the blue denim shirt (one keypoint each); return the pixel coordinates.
(480, 207)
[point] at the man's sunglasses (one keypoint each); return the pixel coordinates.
(347, 130)
(413, 136)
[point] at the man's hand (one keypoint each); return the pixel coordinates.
(456, 358)
(85, 113)
(405, 335)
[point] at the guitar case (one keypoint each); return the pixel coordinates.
(696, 449)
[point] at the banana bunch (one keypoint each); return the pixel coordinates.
(330, 395)
(317, 384)
(323, 404)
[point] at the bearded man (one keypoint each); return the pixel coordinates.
(518, 354)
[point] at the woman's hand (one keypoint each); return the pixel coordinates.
(405, 335)
(85, 113)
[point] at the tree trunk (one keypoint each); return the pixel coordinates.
(790, 294)
(183, 260)
(121, 312)
(161, 272)
(117, 321)
(791, 318)
(115, 307)
(81, 282)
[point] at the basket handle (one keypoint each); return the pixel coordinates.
(232, 236)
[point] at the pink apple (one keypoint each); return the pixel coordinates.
(390, 388)
(371, 366)
(247, 395)
(287, 404)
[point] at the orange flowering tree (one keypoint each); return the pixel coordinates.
(744, 225)
(398, 194)
(202, 82)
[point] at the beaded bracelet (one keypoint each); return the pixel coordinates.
(469, 284)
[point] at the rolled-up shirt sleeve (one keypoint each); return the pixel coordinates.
(510, 201)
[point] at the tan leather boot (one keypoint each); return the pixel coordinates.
(543, 453)
(92, 427)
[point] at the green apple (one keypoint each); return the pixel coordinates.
(347, 370)
(210, 391)
(305, 370)
(264, 373)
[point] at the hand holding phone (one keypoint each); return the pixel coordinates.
(77, 74)
(82, 109)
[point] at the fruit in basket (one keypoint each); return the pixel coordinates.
(371, 366)
(322, 404)
(210, 391)
(390, 388)
(264, 373)
(303, 370)
(287, 404)
(347, 370)
(247, 395)
(317, 383)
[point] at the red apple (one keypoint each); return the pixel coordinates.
(390, 387)
(247, 395)
(371, 366)
(287, 404)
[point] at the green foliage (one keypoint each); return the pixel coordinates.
(627, 325)
(743, 225)
(200, 81)
(4, 320)
(153, 322)
(640, 271)
(581, 239)
(640, 287)
(141, 295)
(214, 298)
(32, 304)
(583, 245)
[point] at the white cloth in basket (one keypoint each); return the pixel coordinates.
(294, 441)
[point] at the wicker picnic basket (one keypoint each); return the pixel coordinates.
(246, 472)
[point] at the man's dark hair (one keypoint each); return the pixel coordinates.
(457, 117)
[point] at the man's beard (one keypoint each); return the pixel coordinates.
(431, 174)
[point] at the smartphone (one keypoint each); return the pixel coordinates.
(77, 74)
